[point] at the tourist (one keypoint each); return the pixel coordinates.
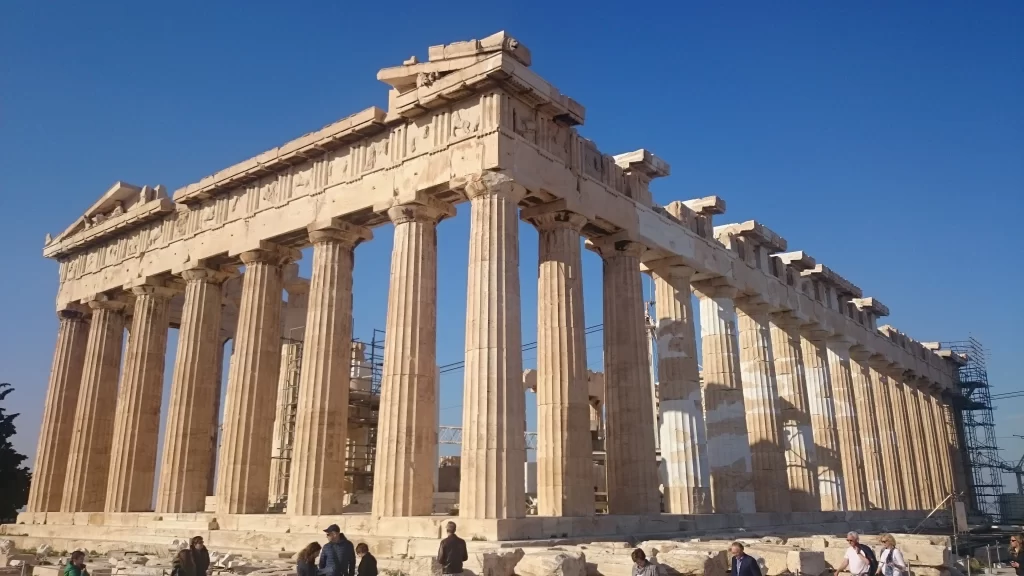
(890, 559)
(200, 555)
(76, 565)
(641, 565)
(1017, 553)
(452, 552)
(338, 558)
(305, 563)
(183, 564)
(742, 564)
(367, 563)
(859, 559)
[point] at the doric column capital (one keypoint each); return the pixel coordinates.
(614, 245)
(106, 303)
(492, 183)
(714, 288)
(787, 319)
(427, 210)
(815, 332)
(210, 275)
(860, 353)
(879, 363)
(673, 267)
(336, 230)
(841, 342)
(72, 312)
(162, 292)
(753, 304)
(557, 219)
(268, 253)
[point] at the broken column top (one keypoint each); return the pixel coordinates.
(871, 305)
(798, 260)
(706, 206)
(643, 161)
(754, 231)
(842, 285)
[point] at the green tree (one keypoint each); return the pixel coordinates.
(14, 478)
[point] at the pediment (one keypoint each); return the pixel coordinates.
(121, 205)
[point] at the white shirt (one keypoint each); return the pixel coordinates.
(857, 563)
(899, 564)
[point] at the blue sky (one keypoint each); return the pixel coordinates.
(884, 138)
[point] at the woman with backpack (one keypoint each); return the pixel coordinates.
(890, 560)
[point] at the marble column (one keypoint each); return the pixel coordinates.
(631, 467)
(215, 424)
(195, 389)
(493, 406)
(47, 487)
(919, 450)
(942, 458)
(316, 485)
(284, 420)
(85, 484)
(795, 413)
(892, 464)
(945, 404)
(243, 465)
(846, 422)
(137, 417)
(407, 431)
(729, 457)
(761, 403)
(564, 453)
(928, 441)
(904, 447)
(831, 486)
(684, 444)
(866, 404)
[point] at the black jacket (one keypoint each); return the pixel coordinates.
(201, 558)
(303, 568)
(452, 553)
(367, 565)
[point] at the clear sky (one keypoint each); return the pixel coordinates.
(884, 138)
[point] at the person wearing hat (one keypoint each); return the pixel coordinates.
(338, 557)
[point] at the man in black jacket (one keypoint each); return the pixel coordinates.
(338, 557)
(452, 552)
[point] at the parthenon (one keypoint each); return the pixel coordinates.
(799, 405)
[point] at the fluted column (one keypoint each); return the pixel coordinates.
(407, 431)
(959, 479)
(47, 487)
(493, 411)
(926, 439)
(195, 387)
(918, 443)
(316, 485)
(284, 421)
(214, 431)
(831, 486)
(846, 422)
(631, 466)
(729, 458)
(85, 484)
(243, 465)
(795, 413)
(684, 442)
(865, 401)
(137, 417)
(564, 452)
(907, 455)
(942, 459)
(892, 465)
(885, 410)
(761, 400)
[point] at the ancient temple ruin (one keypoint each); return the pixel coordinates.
(801, 399)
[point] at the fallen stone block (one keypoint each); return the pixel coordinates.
(689, 563)
(806, 562)
(6, 546)
(925, 554)
(773, 560)
(43, 550)
(552, 563)
(501, 562)
(9, 559)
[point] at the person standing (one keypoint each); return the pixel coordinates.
(200, 555)
(367, 563)
(183, 564)
(742, 564)
(305, 564)
(890, 560)
(859, 559)
(452, 552)
(641, 565)
(1017, 553)
(76, 565)
(337, 558)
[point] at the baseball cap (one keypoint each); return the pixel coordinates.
(333, 528)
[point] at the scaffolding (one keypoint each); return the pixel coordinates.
(976, 427)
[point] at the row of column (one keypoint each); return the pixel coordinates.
(775, 428)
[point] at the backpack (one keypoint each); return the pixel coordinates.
(870, 555)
